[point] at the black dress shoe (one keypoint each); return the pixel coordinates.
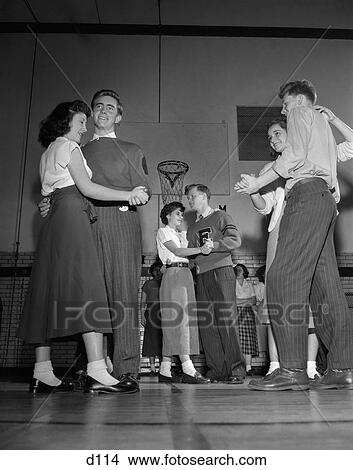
(93, 386)
(282, 379)
(197, 378)
(36, 386)
(334, 378)
(235, 380)
(129, 383)
(168, 380)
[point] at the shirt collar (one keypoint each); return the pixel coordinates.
(204, 214)
(111, 135)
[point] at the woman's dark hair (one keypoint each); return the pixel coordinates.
(245, 270)
(260, 273)
(154, 267)
(168, 209)
(58, 122)
(282, 122)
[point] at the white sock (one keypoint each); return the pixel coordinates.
(109, 365)
(311, 369)
(98, 371)
(273, 366)
(43, 371)
(188, 368)
(165, 368)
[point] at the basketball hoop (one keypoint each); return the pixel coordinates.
(171, 175)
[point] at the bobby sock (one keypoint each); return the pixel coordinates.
(188, 368)
(98, 371)
(165, 368)
(273, 366)
(43, 371)
(311, 369)
(109, 365)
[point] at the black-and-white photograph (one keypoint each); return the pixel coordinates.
(176, 249)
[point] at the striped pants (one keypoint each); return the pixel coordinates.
(305, 272)
(217, 318)
(118, 239)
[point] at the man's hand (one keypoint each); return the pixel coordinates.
(44, 206)
(138, 196)
(327, 113)
(247, 185)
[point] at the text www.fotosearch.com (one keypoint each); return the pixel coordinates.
(226, 460)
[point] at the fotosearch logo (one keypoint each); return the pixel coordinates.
(172, 315)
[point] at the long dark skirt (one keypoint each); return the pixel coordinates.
(66, 294)
(152, 337)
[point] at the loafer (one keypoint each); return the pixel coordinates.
(282, 379)
(37, 386)
(129, 383)
(235, 380)
(168, 380)
(93, 386)
(334, 378)
(197, 378)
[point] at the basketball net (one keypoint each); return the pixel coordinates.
(171, 175)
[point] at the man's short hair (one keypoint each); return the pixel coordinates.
(299, 87)
(111, 93)
(199, 187)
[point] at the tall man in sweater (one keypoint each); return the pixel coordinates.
(119, 165)
(216, 287)
(305, 267)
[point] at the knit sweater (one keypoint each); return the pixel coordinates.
(226, 239)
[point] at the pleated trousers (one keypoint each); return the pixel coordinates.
(217, 319)
(118, 240)
(304, 271)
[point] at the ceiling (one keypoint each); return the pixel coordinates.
(331, 14)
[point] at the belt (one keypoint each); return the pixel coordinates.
(308, 180)
(119, 205)
(178, 264)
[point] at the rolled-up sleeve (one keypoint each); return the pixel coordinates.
(270, 202)
(293, 157)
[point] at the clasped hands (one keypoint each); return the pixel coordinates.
(207, 247)
(247, 185)
(138, 196)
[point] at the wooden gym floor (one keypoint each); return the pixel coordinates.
(161, 416)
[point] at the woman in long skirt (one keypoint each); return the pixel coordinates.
(66, 294)
(177, 297)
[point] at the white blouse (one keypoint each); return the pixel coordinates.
(244, 291)
(53, 165)
(166, 234)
